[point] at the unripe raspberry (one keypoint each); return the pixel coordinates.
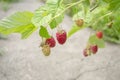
(79, 22)
(46, 50)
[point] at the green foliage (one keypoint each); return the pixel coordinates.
(94, 40)
(43, 32)
(75, 29)
(99, 17)
(56, 19)
(96, 14)
(20, 22)
(49, 14)
(42, 16)
(103, 17)
(113, 34)
(114, 5)
(84, 14)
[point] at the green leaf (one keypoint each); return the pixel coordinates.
(49, 14)
(73, 30)
(20, 22)
(58, 19)
(99, 42)
(42, 16)
(114, 5)
(43, 32)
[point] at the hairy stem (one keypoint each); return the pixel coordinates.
(73, 4)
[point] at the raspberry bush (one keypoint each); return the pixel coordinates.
(101, 15)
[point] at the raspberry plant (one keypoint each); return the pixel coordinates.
(102, 15)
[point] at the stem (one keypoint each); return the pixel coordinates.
(61, 1)
(73, 4)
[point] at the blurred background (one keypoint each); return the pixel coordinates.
(23, 59)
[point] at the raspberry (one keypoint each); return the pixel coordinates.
(79, 22)
(61, 36)
(110, 24)
(99, 34)
(94, 49)
(51, 42)
(46, 50)
(85, 52)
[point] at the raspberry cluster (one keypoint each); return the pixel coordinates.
(61, 37)
(47, 44)
(92, 48)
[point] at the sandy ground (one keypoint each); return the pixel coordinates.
(23, 59)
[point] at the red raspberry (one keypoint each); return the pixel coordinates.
(85, 52)
(51, 42)
(94, 49)
(61, 36)
(99, 34)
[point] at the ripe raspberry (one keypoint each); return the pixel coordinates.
(99, 34)
(85, 52)
(79, 22)
(94, 49)
(61, 36)
(51, 42)
(46, 50)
